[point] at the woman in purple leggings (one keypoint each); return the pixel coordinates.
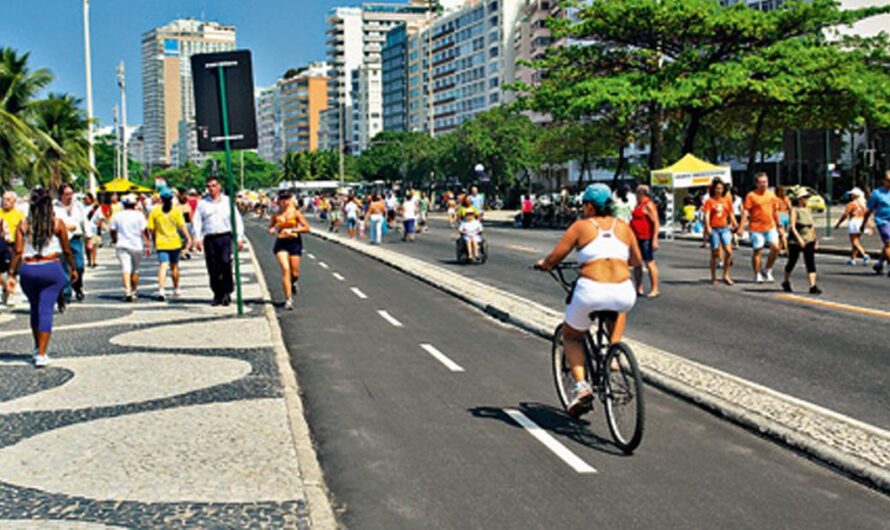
(41, 240)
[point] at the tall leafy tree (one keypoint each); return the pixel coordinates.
(64, 152)
(18, 88)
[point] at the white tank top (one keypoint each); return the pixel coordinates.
(606, 245)
(52, 247)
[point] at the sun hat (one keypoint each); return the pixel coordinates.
(129, 199)
(597, 194)
(856, 192)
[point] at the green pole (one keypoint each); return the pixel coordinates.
(230, 184)
(828, 183)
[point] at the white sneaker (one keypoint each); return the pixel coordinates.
(177, 292)
(769, 275)
(581, 399)
(162, 295)
(41, 360)
(289, 306)
(758, 278)
(34, 355)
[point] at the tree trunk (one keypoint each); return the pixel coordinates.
(754, 146)
(619, 167)
(656, 137)
(691, 133)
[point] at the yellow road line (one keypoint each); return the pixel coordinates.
(835, 305)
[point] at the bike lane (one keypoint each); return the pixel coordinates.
(407, 441)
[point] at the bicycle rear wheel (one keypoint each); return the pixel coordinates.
(625, 409)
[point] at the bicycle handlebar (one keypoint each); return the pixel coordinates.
(557, 273)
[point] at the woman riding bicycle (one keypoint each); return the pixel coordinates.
(607, 248)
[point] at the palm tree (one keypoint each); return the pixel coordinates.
(61, 120)
(18, 86)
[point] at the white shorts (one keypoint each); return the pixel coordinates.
(854, 226)
(129, 259)
(590, 296)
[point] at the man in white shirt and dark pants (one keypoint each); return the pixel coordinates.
(213, 232)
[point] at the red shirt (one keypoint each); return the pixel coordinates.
(640, 222)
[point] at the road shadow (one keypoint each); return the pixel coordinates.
(553, 420)
(6, 356)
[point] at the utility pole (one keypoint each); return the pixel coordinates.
(828, 183)
(242, 169)
(340, 109)
(122, 83)
(89, 76)
(117, 148)
(799, 156)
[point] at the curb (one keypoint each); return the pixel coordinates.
(857, 449)
(321, 511)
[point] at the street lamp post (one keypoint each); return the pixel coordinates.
(122, 83)
(89, 76)
(829, 169)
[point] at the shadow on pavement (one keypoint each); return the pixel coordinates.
(553, 420)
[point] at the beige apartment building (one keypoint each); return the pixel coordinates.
(168, 105)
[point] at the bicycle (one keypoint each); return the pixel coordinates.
(611, 370)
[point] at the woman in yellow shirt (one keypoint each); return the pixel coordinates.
(165, 222)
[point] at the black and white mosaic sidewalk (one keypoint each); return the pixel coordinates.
(151, 414)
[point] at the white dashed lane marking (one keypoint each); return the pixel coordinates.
(550, 442)
(442, 358)
(338, 276)
(323, 265)
(311, 256)
(389, 318)
(358, 293)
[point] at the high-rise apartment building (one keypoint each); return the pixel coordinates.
(473, 56)
(395, 79)
(168, 105)
(356, 36)
(289, 112)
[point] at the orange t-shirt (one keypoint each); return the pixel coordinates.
(761, 207)
(855, 209)
(783, 205)
(718, 211)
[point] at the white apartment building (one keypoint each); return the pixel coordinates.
(267, 124)
(356, 36)
(473, 56)
(167, 91)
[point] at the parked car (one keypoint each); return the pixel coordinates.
(816, 202)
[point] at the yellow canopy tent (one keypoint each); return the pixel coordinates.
(122, 185)
(688, 172)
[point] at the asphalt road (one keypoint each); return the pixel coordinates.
(836, 357)
(405, 442)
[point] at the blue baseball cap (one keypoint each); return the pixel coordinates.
(597, 194)
(166, 193)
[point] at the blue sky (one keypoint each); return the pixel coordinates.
(280, 33)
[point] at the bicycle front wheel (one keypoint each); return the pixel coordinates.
(562, 373)
(623, 386)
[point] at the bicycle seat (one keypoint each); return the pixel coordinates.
(604, 316)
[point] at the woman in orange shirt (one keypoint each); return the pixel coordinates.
(720, 223)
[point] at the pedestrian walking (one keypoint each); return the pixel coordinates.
(131, 243)
(719, 226)
(41, 242)
(213, 230)
(854, 214)
(409, 216)
(376, 216)
(334, 212)
(351, 209)
(645, 225)
(10, 218)
(624, 203)
(783, 208)
(802, 241)
(527, 207)
(95, 221)
(879, 205)
(423, 214)
(451, 206)
(165, 224)
(73, 215)
(760, 208)
(287, 225)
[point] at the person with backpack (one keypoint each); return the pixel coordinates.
(165, 223)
